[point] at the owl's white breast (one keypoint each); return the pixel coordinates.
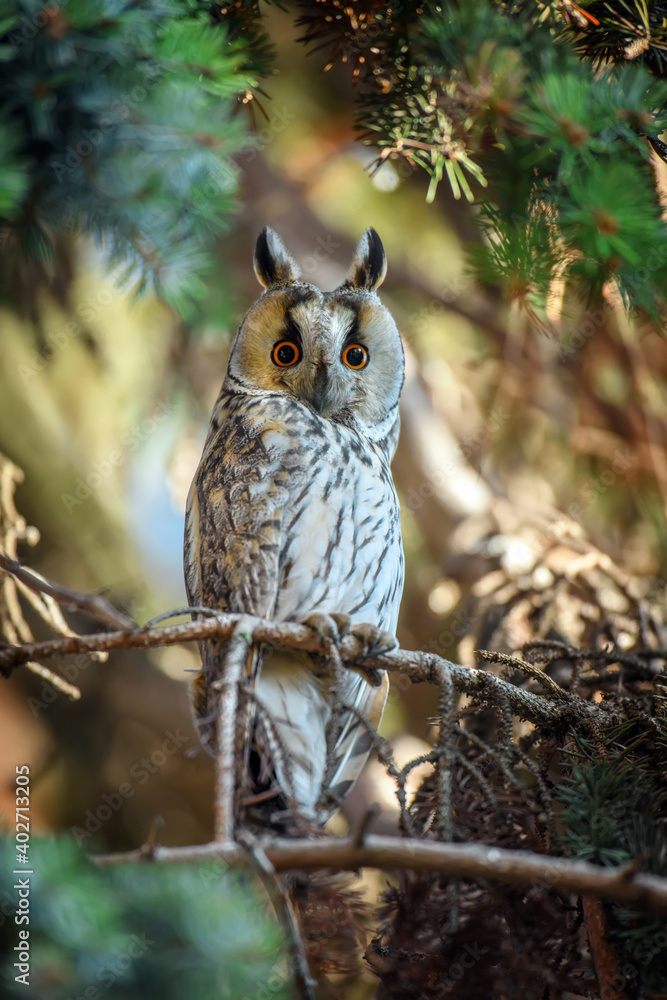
(306, 513)
(341, 540)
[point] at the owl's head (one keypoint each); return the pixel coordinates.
(340, 352)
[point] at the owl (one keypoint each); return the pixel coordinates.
(293, 516)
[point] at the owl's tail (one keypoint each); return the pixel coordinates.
(281, 736)
(317, 755)
(297, 760)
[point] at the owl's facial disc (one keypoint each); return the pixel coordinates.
(338, 352)
(325, 355)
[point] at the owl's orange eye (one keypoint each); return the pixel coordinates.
(355, 356)
(285, 354)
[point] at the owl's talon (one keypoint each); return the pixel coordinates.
(372, 641)
(324, 626)
(343, 623)
(370, 674)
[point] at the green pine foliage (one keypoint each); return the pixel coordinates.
(135, 931)
(625, 29)
(615, 813)
(117, 120)
(13, 177)
(543, 116)
(558, 141)
(243, 22)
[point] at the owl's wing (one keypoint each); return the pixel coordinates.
(233, 519)
(232, 537)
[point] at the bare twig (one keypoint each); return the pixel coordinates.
(153, 838)
(13, 626)
(445, 761)
(92, 604)
(267, 873)
(234, 660)
(55, 680)
(367, 818)
(467, 861)
(605, 956)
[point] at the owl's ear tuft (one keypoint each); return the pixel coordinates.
(369, 264)
(273, 264)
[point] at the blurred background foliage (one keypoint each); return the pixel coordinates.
(193, 931)
(511, 161)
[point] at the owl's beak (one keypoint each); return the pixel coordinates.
(320, 386)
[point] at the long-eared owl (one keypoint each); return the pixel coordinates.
(292, 515)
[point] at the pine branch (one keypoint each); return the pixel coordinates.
(546, 106)
(462, 766)
(466, 861)
(130, 140)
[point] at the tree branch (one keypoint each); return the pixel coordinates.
(418, 666)
(95, 605)
(281, 904)
(233, 666)
(468, 861)
(557, 707)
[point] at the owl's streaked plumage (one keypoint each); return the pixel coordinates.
(293, 511)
